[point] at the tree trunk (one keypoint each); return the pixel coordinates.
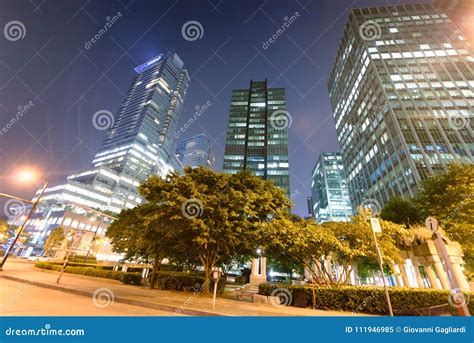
(156, 270)
(207, 278)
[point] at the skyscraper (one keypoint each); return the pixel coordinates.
(402, 92)
(196, 151)
(139, 142)
(257, 134)
(331, 200)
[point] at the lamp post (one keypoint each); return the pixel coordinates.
(375, 226)
(26, 176)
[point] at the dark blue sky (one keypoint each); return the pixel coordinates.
(68, 83)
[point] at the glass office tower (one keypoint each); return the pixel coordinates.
(196, 151)
(402, 92)
(139, 143)
(257, 134)
(331, 201)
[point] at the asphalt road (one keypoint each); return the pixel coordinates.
(23, 299)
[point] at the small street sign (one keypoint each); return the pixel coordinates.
(432, 224)
(375, 224)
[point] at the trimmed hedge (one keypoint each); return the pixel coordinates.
(80, 259)
(180, 281)
(363, 298)
(126, 278)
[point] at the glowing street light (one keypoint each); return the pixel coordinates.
(27, 175)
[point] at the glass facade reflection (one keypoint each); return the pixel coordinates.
(139, 143)
(402, 93)
(331, 200)
(196, 151)
(254, 140)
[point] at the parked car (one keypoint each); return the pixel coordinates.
(39, 258)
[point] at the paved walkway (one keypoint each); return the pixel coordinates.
(23, 299)
(173, 302)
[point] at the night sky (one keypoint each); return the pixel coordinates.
(65, 84)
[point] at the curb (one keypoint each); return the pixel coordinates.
(139, 303)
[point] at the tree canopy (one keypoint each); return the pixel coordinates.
(449, 197)
(208, 216)
(401, 211)
(54, 239)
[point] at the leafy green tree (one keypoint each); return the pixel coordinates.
(401, 211)
(141, 234)
(357, 244)
(5, 231)
(297, 243)
(55, 239)
(202, 217)
(217, 217)
(449, 197)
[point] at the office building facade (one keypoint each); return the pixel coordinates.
(196, 151)
(257, 134)
(331, 201)
(139, 141)
(402, 93)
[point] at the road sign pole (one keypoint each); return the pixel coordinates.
(375, 226)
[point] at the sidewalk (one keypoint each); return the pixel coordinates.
(186, 303)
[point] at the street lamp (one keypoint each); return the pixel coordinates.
(25, 176)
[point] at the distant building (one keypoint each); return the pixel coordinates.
(139, 141)
(402, 93)
(257, 134)
(331, 201)
(196, 151)
(87, 225)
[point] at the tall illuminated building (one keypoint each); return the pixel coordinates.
(331, 200)
(257, 134)
(402, 93)
(139, 141)
(196, 151)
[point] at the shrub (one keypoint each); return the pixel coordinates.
(126, 278)
(180, 281)
(366, 299)
(80, 259)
